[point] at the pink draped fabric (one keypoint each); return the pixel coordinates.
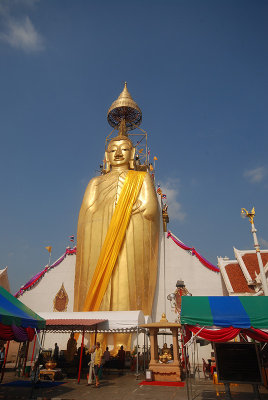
(40, 275)
(205, 262)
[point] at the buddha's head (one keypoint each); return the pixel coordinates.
(120, 154)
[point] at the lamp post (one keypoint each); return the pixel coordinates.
(251, 215)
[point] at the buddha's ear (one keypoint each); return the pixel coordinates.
(132, 156)
(107, 166)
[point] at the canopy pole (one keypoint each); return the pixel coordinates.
(4, 364)
(26, 356)
(36, 370)
(147, 349)
(186, 367)
(95, 337)
(43, 338)
(33, 349)
(137, 365)
(144, 352)
(17, 359)
(81, 354)
(182, 352)
(189, 343)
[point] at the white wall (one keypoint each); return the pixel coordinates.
(40, 297)
(179, 264)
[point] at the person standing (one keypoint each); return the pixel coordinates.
(106, 358)
(121, 355)
(91, 372)
(56, 352)
(97, 362)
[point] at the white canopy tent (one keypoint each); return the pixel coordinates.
(115, 321)
(96, 321)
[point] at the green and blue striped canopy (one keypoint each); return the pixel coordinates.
(224, 311)
(14, 312)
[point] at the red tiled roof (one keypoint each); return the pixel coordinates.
(251, 263)
(237, 279)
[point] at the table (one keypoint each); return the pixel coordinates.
(49, 372)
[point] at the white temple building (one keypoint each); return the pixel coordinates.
(51, 291)
(57, 281)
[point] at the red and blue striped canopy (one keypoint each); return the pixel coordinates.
(225, 311)
(14, 313)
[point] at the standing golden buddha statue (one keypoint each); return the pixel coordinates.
(118, 226)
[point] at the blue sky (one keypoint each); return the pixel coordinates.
(197, 69)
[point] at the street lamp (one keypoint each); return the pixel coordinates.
(250, 215)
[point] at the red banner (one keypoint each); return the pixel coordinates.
(224, 334)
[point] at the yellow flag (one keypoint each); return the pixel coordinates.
(141, 150)
(49, 248)
(155, 158)
(151, 167)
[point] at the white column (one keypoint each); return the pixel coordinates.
(257, 247)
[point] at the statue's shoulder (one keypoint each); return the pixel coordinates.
(91, 189)
(99, 181)
(96, 181)
(148, 179)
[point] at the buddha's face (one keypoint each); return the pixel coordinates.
(119, 152)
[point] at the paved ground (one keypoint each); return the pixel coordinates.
(126, 387)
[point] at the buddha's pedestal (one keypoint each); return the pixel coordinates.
(167, 372)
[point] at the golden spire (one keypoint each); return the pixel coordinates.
(124, 109)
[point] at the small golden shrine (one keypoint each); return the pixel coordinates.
(164, 371)
(61, 300)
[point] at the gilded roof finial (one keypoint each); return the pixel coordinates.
(124, 109)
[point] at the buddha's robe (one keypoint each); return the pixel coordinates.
(133, 280)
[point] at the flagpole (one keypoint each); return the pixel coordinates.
(155, 159)
(71, 239)
(49, 248)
